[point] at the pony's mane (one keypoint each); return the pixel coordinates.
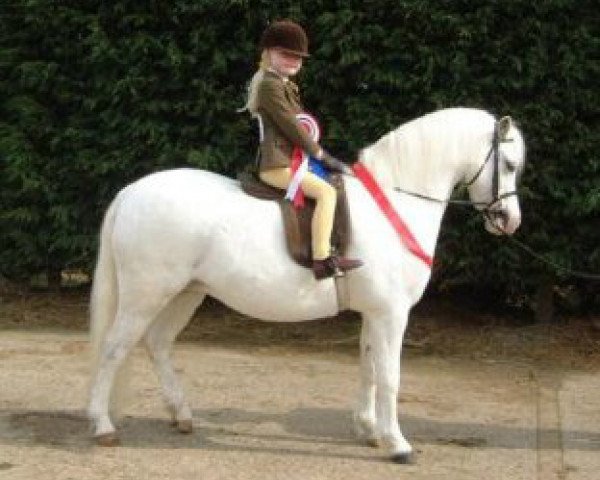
(415, 152)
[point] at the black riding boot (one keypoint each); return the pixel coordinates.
(333, 266)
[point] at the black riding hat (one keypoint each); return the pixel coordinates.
(287, 36)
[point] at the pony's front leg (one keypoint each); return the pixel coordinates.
(365, 420)
(385, 333)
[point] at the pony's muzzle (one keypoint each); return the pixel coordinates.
(499, 221)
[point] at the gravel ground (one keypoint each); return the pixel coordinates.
(275, 402)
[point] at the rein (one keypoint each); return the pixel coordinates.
(497, 197)
(487, 210)
(543, 259)
(361, 172)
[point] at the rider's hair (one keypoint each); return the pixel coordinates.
(254, 82)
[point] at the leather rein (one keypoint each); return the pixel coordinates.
(487, 207)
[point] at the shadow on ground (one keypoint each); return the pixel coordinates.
(214, 428)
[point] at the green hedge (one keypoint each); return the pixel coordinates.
(96, 94)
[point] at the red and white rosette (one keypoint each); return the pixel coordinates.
(299, 163)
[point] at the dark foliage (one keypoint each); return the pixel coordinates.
(95, 94)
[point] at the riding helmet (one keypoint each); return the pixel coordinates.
(287, 36)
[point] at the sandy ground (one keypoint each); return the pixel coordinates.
(275, 402)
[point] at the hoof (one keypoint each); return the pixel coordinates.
(404, 458)
(185, 426)
(107, 440)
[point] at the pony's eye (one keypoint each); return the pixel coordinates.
(511, 167)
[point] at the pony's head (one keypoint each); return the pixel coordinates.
(493, 188)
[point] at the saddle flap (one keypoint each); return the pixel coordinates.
(255, 188)
(297, 222)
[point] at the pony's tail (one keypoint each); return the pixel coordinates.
(103, 302)
(104, 294)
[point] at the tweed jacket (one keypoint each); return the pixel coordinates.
(278, 102)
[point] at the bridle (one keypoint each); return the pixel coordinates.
(495, 153)
(487, 208)
(402, 229)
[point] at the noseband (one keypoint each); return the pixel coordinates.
(495, 154)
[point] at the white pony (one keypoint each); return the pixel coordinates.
(173, 237)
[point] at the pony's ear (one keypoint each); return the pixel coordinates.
(504, 125)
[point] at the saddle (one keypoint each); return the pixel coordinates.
(297, 222)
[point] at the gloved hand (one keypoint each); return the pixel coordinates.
(334, 164)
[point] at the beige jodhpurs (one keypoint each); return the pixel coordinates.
(325, 196)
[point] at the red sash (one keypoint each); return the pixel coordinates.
(388, 210)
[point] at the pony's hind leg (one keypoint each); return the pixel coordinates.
(159, 340)
(134, 315)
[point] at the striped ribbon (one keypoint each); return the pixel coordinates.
(299, 160)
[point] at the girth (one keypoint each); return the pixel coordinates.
(297, 222)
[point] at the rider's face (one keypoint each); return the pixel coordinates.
(284, 63)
